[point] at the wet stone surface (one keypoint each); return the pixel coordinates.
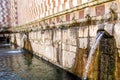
(106, 59)
(26, 66)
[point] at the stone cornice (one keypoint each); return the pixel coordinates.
(73, 23)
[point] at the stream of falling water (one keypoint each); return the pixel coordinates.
(91, 53)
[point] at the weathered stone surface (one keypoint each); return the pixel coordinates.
(106, 68)
(61, 46)
(117, 34)
(68, 59)
(93, 11)
(80, 61)
(18, 40)
(83, 31)
(107, 6)
(119, 53)
(73, 48)
(100, 10)
(83, 42)
(109, 28)
(91, 41)
(93, 30)
(65, 36)
(118, 66)
(81, 14)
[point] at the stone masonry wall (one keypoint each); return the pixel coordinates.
(65, 46)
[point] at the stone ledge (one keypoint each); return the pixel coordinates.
(64, 25)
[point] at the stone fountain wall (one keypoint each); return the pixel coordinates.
(68, 46)
(107, 59)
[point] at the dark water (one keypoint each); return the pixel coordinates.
(16, 65)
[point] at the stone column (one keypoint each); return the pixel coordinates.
(106, 59)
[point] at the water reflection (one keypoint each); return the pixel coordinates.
(26, 66)
(28, 58)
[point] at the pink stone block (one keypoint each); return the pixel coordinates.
(100, 10)
(81, 14)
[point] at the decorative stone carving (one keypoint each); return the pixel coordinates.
(87, 11)
(100, 25)
(53, 25)
(87, 15)
(73, 22)
(46, 25)
(109, 19)
(113, 7)
(60, 19)
(111, 14)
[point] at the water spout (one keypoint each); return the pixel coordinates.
(108, 28)
(93, 48)
(104, 29)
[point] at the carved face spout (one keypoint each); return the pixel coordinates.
(109, 20)
(108, 28)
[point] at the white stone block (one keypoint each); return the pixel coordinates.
(83, 31)
(109, 28)
(83, 42)
(68, 47)
(63, 46)
(64, 57)
(117, 34)
(74, 3)
(60, 8)
(91, 41)
(54, 54)
(73, 41)
(84, 1)
(68, 59)
(73, 48)
(93, 30)
(67, 5)
(62, 1)
(71, 59)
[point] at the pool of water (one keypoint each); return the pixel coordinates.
(17, 65)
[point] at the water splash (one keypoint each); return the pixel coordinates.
(14, 51)
(9, 76)
(91, 53)
(5, 45)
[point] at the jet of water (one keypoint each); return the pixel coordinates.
(91, 53)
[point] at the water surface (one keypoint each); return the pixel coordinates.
(16, 65)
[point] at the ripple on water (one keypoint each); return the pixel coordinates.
(9, 76)
(25, 66)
